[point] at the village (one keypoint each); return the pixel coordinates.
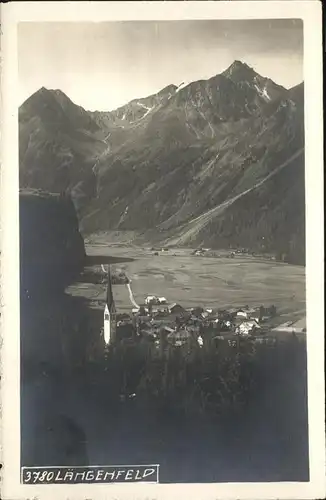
(163, 324)
(179, 325)
(166, 301)
(229, 253)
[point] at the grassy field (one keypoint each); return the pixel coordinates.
(192, 280)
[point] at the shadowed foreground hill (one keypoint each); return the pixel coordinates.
(52, 249)
(51, 255)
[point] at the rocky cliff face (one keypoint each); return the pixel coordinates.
(52, 249)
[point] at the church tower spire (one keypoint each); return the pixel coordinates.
(110, 324)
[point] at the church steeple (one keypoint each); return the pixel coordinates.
(109, 294)
(109, 313)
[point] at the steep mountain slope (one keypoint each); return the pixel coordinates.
(61, 143)
(269, 216)
(185, 154)
(177, 169)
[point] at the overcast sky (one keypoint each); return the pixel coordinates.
(104, 65)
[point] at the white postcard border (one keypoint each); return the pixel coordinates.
(13, 13)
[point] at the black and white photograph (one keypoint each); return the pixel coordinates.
(162, 251)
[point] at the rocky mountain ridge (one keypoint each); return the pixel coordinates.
(171, 166)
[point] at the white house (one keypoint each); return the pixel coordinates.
(247, 327)
(151, 299)
(242, 314)
(176, 309)
(162, 300)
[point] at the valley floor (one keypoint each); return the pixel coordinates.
(217, 282)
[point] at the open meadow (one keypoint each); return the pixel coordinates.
(191, 280)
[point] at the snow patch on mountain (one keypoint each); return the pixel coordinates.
(143, 105)
(148, 110)
(181, 86)
(263, 93)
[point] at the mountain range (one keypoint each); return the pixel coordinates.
(217, 162)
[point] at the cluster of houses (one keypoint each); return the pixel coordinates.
(157, 251)
(157, 319)
(207, 252)
(163, 323)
